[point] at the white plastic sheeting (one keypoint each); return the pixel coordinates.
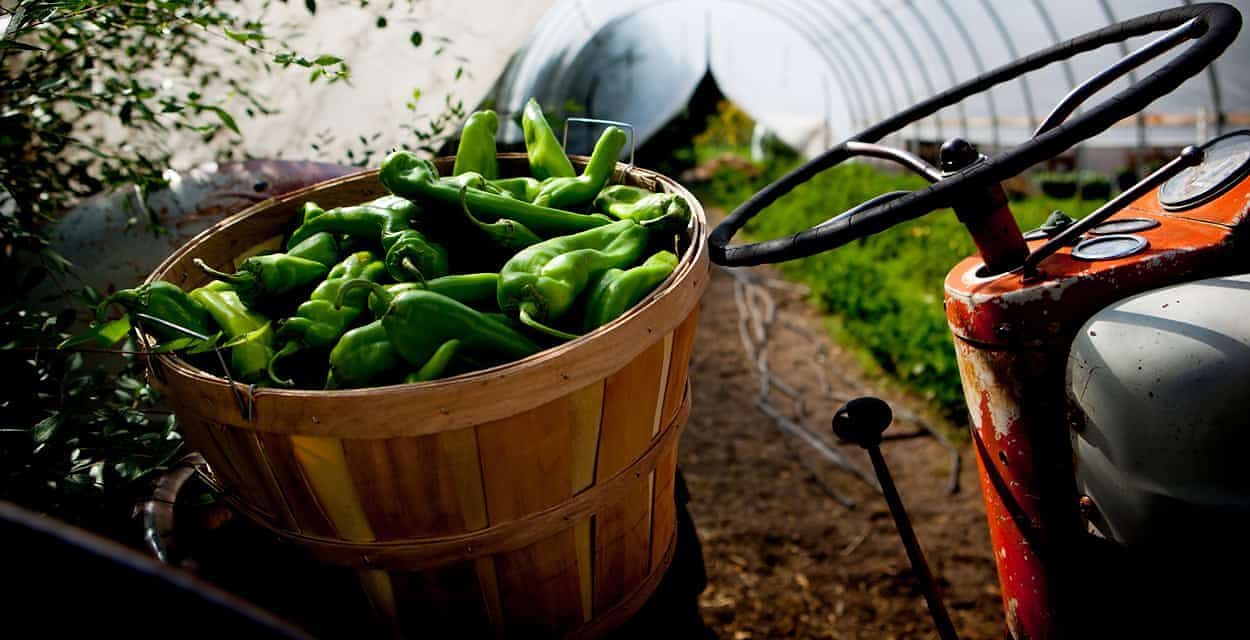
(467, 45)
(816, 71)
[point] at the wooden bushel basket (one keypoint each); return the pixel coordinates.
(533, 498)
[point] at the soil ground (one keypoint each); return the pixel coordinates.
(783, 558)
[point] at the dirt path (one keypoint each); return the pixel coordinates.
(783, 558)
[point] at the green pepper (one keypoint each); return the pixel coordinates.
(419, 322)
(369, 220)
(618, 290)
(523, 188)
(476, 151)
(541, 282)
(409, 176)
(309, 211)
(276, 274)
(563, 193)
(319, 247)
(504, 233)
(408, 253)
(162, 300)
(434, 367)
(249, 359)
(469, 288)
(547, 158)
(318, 323)
(362, 357)
(624, 202)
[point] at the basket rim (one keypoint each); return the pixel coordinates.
(459, 401)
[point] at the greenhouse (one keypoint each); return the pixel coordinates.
(624, 318)
(813, 73)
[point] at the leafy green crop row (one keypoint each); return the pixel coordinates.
(884, 293)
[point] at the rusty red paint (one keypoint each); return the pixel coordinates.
(994, 230)
(1025, 490)
(1012, 341)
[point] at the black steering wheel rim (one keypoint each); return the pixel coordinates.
(1217, 24)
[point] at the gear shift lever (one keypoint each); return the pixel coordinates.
(862, 421)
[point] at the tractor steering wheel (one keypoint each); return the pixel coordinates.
(1212, 27)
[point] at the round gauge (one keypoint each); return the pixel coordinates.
(1226, 161)
(1124, 225)
(1109, 247)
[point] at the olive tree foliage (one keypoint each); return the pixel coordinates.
(91, 93)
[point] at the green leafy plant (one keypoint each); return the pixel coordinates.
(728, 131)
(90, 93)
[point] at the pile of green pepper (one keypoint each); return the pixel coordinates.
(445, 275)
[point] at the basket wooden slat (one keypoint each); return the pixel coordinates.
(679, 364)
(401, 504)
(631, 406)
(664, 519)
(304, 510)
(533, 497)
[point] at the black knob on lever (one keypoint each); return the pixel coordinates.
(957, 153)
(862, 421)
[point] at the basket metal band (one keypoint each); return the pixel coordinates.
(434, 552)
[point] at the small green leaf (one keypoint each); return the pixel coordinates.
(102, 335)
(55, 260)
(204, 346)
(176, 344)
(250, 336)
(90, 294)
(326, 60)
(381, 22)
(21, 46)
(225, 118)
(243, 36)
(311, 5)
(46, 428)
(129, 469)
(416, 38)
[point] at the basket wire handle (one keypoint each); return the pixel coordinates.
(633, 137)
(244, 406)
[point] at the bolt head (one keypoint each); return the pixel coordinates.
(1087, 507)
